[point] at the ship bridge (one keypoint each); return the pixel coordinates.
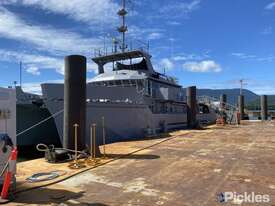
(145, 64)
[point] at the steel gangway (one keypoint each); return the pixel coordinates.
(223, 109)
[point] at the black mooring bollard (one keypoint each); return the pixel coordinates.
(264, 107)
(241, 106)
(191, 107)
(223, 100)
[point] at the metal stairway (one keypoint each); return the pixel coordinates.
(229, 110)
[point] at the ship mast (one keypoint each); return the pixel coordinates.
(123, 28)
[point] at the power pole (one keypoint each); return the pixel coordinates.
(241, 86)
(20, 74)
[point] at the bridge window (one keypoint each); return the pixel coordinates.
(148, 86)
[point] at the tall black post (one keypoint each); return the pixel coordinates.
(264, 107)
(241, 106)
(223, 100)
(74, 100)
(191, 107)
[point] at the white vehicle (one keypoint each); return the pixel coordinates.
(7, 124)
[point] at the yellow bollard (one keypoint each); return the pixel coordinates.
(76, 163)
(104, 138)
(92, 160)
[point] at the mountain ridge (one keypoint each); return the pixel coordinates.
(250, 97)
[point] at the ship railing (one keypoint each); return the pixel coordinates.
(115, 101)
(132, 46)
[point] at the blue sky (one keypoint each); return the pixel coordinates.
(208, 43)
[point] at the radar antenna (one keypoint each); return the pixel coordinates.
(123, 28)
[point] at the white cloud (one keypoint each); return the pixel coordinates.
(137, 33)
(186, 57)
(191, 6)
(154, 36)
(173, 23)
(33, 63)
(33, 70)
(268, 58)
(203, 66)
(35, 87)
(263, 89)
(243, 55)
(92, 12)
(181, 58)
(268, 30)
(270, 6)
(167, 64)
(182, 8)
(258, 86)
(45, 38)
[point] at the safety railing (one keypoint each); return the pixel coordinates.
(116, 48)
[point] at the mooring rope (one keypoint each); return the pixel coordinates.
(44, 148)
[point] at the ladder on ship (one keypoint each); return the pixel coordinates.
(228, 111)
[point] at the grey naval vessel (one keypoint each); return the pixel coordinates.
(30, 110)
(134, 99)
(30, 113)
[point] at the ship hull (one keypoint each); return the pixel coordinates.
(123, 120)
(29, 115)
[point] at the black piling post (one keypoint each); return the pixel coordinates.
(74, 100)
(264, 107)
(241, 106)
(223, 100)
(191, 107)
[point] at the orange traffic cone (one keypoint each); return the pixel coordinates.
(10, 172)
